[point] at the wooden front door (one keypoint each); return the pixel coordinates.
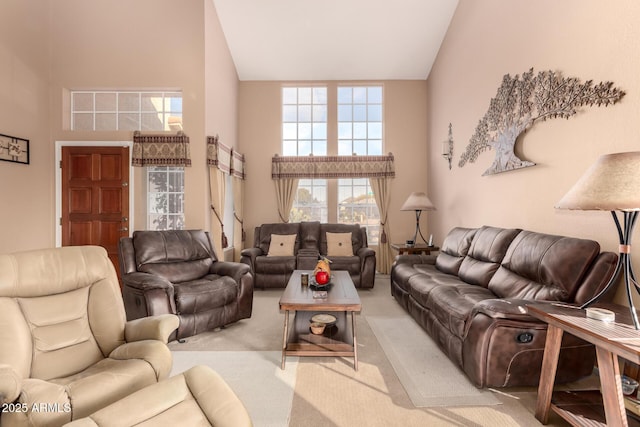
(95, 197)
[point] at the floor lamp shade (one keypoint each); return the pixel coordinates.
(612, 184)
(418, 202)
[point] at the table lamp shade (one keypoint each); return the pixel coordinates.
(610, 184)
(418, 201)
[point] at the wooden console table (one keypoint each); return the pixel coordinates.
(612, 339)
(416, 249)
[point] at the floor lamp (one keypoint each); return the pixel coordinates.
(612, 184)
(418, 202)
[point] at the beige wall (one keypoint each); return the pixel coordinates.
(118, 44)
(26, 191)
(588, 39)
(405, 135)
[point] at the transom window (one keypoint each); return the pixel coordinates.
(126, 110)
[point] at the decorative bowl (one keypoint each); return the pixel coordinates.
(317, 328)
(324, 318)
(629, 385)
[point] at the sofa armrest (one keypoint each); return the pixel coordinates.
(10, 384)
(151, 328)
(504, 308)
(232, 269)
(146, 281)
(154, 352)
(35, 394)
(248, 257)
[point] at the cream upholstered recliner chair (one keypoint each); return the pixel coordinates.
(196, 397)
(66, 349)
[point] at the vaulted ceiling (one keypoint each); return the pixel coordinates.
(334, 39)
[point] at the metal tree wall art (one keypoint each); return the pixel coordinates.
(523, 100)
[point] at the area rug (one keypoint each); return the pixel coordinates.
(426, 373)
(255, 376)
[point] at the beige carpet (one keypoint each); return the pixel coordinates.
(255, 376)
(328, 392)
(423, 369)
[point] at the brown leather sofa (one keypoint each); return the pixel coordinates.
(177, 271)
(66, 350)
(471, 298)
(310, 242)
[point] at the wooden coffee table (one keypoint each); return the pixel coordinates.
(338, 340)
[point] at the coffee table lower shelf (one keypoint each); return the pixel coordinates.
(337, 340)
(583, 407)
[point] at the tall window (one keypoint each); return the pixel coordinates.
(112, 110)
(304, 132)
(165, 198)
(359, 126)
(359, 132)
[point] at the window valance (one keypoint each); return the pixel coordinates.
(354, 166)
(237, 165)
(218, 154)
(161, 150)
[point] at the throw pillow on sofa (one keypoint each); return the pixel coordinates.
(282, 244)
(339, 244)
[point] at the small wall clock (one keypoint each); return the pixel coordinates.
(13, 149)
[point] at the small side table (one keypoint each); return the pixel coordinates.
(611, 340)
(416, 249)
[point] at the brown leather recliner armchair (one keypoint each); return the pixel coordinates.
(177, 271)
(65, 348)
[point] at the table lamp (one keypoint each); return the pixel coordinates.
(612, 184)
(418, 202)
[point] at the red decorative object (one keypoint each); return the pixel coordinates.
(322, 277)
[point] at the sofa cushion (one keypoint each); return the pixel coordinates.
(346, 263)
(282, 244)
(454, 248)
(275, 264)
(204, 294)
(544, 267)
(310, 235)
(263, 234)
(427, 278)
(354, 229)
(176, 255)
(453, 304)
(339, 244)
(488, 248)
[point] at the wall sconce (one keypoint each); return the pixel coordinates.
(447, 147)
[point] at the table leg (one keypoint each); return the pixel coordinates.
(548, 374)
(285, 335)
(611, 388)
(355, 344)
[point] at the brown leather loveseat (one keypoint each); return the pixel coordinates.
(177, 272)
(307, 241)
(471, 299)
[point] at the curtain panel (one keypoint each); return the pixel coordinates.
(160, 150)
(219, 161)
(238, 177)
(381, 192)
(287, 167)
